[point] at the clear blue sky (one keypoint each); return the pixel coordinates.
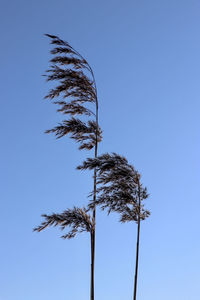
(146, 59)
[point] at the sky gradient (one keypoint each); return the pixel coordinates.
(146, 60)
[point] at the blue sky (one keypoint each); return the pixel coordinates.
(146, 59)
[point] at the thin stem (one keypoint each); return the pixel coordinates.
(89, 69)
(137, 249)
(93, 235)
(92, 266)
(94, 199)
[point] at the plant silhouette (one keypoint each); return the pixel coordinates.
(77, 219)
(117, 186)
(119, 190)
(75, 93)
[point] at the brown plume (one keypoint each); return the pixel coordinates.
(76, 88)
(77, 219)
(119, 187)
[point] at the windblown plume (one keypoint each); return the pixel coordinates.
(119, 187)
(76, 88)
(77, 219)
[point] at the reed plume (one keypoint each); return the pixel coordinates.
(75, 94)
(119, 190)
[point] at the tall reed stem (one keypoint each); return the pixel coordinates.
(94, 199)
(137, 249)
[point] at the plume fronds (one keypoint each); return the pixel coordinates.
(75, 88)
(82, 132)
(119, 187)
(77, 219)
(103, 162)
